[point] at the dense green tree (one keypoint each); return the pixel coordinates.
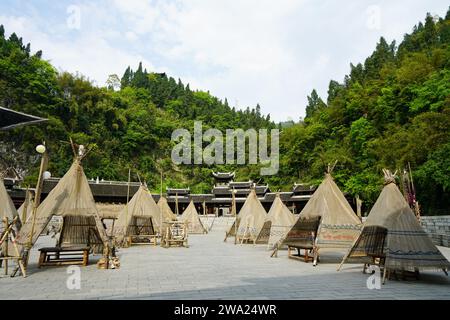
(315, 103)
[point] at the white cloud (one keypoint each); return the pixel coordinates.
(131, 36)
(89, 54)
(268, 52)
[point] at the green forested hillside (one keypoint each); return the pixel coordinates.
(129, 128)
(390, 110)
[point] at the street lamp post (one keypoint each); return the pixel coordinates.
(234, 211)
(42, 150)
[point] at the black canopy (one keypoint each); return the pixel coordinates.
(10, 119)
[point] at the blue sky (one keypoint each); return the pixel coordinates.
(251, 51)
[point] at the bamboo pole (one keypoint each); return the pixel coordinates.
(413, 190)
(5, 222)
(19, 258)
(5, 238)
(161, 183)
(160, 209)
(233, 192)
(128, 200)
(112, 228)
(358, 207)
(37, 200)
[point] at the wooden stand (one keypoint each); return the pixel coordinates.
(175, 235)
(246, 237)
(8, 235)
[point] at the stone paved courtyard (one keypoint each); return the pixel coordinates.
(212, 269)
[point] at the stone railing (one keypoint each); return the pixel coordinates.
(438, 227)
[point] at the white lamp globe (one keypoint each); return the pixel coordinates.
(47, 175)
(40, 149)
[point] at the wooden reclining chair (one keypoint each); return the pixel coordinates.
(301, 237)
(373, 239)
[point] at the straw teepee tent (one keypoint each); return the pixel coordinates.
(7, 208)
(141, 216)
(8, 211)
(191, 217)
(167, 213)
(278, 222)
(335, 224)
(250, 219)
(109, 210)
(392, 231)
(28, 205)
(71, 199)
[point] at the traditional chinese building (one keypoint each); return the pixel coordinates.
(218, 202)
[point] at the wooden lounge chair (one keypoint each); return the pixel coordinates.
(302, 236)
(306, 245)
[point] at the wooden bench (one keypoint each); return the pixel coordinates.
(59, 256)
(143, 239)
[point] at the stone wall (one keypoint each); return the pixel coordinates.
(438, 227)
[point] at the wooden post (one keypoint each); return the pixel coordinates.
(37, 200)
(5, 239)
(358, 207)
(5, 222)
(25, 206)
(413, 189)
(161, 185)
(128, 200)
(160, 211)
(176, 204)
(234, 212)
(112, 227)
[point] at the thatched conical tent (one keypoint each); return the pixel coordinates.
(72, 200)
(7, 208)
(191, 217)
(392, 230)
(327, 210)
(167, 213)
(250, 219)
(141, 216)
(28, 205)
(278, 222)
(109, 210)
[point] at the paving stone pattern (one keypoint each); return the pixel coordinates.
(213, 269)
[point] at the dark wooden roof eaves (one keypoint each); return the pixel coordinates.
(99, 189)
(221, 191)
(10, 119)
(19, 194)
(179, 192)
(223, 175)
(240, 185)
(303, 189)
